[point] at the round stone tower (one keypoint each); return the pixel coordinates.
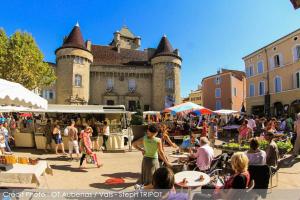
(166, 64)
(73, 60)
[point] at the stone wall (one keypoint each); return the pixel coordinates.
(121, 76)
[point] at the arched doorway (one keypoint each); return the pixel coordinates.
(278, 109)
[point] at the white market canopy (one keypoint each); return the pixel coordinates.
(93, 109)
(225, 112)
(13, 109)
(14, 94)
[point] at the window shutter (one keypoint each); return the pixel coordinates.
(295, 56)
(271, 62)
(281, 63)
(220, 79)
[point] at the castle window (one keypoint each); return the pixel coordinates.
(146, 107)
(78, 80)
(131, 85)
(109, 84)
(110, 102)
(78, 60)
(169, 84)
(48, 94)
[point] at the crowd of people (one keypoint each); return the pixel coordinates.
(83, 139)
(201, 152)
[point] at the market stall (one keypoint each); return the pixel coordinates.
(115, 116)
(151, 116)
(14, 98)
(188, 116)
(229, 129)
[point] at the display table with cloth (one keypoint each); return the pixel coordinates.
(115, 142)
(230, 130)
(25, 174)
(24, 139)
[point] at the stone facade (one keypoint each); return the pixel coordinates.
(273, 77)
(117, 74)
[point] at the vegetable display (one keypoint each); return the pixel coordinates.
(283, 146)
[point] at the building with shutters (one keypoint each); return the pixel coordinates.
(116, 74)
(224, 90)
(195, 96)
(273, 77)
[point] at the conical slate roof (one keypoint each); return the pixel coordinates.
(75, 39)
(165, 48)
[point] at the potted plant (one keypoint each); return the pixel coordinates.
(137, 125)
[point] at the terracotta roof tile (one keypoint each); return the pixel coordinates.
(108, 55)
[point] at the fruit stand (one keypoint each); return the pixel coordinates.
(284, 147)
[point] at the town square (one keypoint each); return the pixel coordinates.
(170, 100)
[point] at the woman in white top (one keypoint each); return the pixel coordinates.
(255, 155)
(2, 143)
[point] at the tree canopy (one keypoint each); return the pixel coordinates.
(21, 61)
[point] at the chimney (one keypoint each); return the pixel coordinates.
(137, 41)
(117, 37)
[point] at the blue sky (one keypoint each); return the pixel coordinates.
(209, 34)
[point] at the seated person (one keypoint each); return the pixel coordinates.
(204, 155)
(189, 143)
(163, 179)
(255, 155)
(239, 180)
(272, 153)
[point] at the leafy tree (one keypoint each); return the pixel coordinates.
(23, 62)
(137, 118)
(3, 48)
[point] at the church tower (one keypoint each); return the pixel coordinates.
(73, 60)
(166, 64)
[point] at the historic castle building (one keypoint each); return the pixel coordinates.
(116, 74)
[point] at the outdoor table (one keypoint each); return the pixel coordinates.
(184, 155)
(193, 178)
(25, 174)
(180, 156)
